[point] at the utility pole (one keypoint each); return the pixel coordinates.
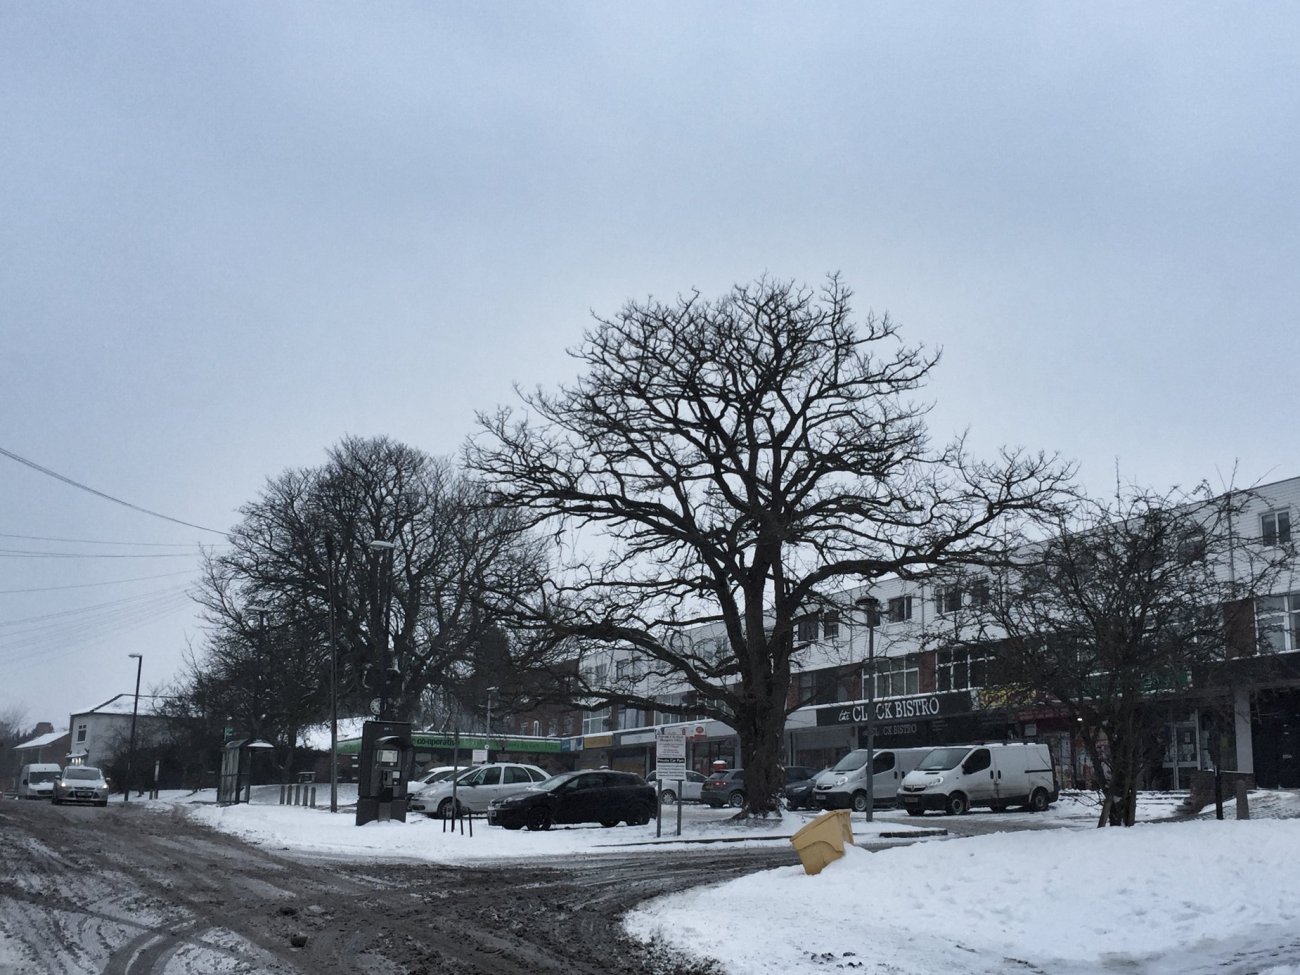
(135, 710)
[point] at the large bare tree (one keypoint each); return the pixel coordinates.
(731, 462)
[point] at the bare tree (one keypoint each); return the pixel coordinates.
(730, 462)
(1116, 614)
(304, 553)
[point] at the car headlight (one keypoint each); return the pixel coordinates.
(840, 779)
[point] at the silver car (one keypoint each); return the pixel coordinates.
(477, 787)
(81, 783)
(690, 789)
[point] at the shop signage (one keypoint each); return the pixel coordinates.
(919, 707)
(598, 741)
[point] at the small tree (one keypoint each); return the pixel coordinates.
(1117, 612)
(729, 462)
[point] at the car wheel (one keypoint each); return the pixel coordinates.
(102, 802)
(859, 802)
(1038, 801)
(669, 797)
(609, 823)
(956, 805)
(539, 819)
(915, 812)
(513, 825)
(736, 800)
(447, 808)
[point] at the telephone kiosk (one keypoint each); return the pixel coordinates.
(387, 757)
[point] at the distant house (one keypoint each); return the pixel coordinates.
(48, 746)
(99, 733)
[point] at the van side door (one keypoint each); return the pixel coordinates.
(979, 777)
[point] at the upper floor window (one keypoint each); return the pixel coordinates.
(81, 734)
(898, 676)
(899, 609)
(1275, 527)
(830, 625)
(805, 629)
(1278, 619)
(960, 670)
(595, 722)
(947, 599)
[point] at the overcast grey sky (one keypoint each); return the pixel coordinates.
(232, 233)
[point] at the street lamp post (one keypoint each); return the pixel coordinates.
(382, 545)
(488, 736)
(135, 710)
(334, 683)
(870, 607)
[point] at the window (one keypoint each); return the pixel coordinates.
(979, 760)
(900, 609)
(818, 687)
(595, 722)
(882, 762)
(959, 670)
(979, 593)
(805, 629)
(898, 676)
(947, 599)
(830, 625)
(1275, 527)
(1278, 621)
(516, 774)
(628, 669)
(81, 734)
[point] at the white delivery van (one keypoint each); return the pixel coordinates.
(845, 785)
(37, 781)
(957, 777)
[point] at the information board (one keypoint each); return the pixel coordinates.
(670, 754)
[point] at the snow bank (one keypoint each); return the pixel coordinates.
(1114, 897)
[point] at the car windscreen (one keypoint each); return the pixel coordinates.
(942, 759)
(851, 762)
(34, 777)
(82, 774)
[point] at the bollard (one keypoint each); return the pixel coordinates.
(284, 794)
(297, 794)
(313, 797)
(1243, 803)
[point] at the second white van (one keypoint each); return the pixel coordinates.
(37, 781)
(957, 777)
(845, 785)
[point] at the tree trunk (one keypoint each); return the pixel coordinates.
(760, 730)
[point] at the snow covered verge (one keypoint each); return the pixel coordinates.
(1160, 897)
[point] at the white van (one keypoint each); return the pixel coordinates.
(957, 777)
(37, 781)
(845, 785)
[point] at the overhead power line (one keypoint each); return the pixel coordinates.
(96, 585)
(107, 497)
(23, 553)
(97, 541)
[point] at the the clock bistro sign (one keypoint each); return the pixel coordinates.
(898, 709)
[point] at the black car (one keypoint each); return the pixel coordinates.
(602, 796)
(799, 792)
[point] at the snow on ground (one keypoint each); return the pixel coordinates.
(1062, 900)
(1161, 898)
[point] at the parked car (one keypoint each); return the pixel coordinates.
(956, 778)
(799, 794)
(603, 796)
(81, 783)
(690, 788)
(438, 773)
(37, 781)
(846, 787)
(476, 788)
(728, 788)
